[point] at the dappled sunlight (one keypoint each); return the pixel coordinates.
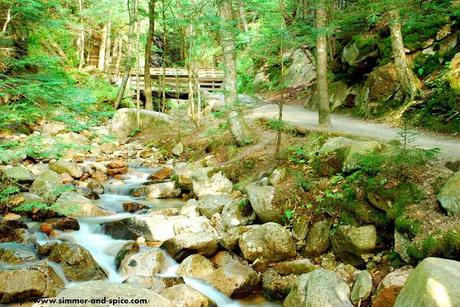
(438, 292)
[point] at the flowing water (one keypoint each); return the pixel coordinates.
(104, 248)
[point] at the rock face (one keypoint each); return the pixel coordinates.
(449, 196)
(75, 205)
(124, 122)
(145, 263)
(186, 296)
(46, 185)
(77, 262)
(389, 288)
(233, 277)
(362, 288)
(318, 238)
(302, 71)
(182, 245)
(68, 167)
(261, 198)
(454, 72)
(18, 174)
(318, 288)
(95, 289)
(350, 243)
(269, 241)
(24, 282)
(237, 214)
(434, 282)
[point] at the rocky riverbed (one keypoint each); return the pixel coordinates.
(116, 219)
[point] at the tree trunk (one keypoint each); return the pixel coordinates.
(163, 84)
(102, 53)
(138, 67)
(321, 67)
(81, 39)
(281, 102)
(128, 62)
(228, 46)
(108, 44)
(119, 55)
(409, 82)
(242, 13)
(148, 57)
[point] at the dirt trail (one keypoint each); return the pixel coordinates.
(300, 117)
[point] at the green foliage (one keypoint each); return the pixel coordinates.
(298, 155)
(305, 183)
(288, 217)
(406, 225)
(441, 243)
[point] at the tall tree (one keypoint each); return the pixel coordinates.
(229, 52)
(321, 65)
(409, 82)
(148, 57)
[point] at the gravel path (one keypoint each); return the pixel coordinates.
(300, 117)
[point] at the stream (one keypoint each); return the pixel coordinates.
(104, 248)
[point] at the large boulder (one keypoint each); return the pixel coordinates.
(453, 74)
(356, 150)
(239, 128)
(185, 244)
(351, 243)
(362, 287)
(336, 144)
(449, 196)
(77, 263)
(434, 282)
(261, 199)
(94, 290)
(196, 266)
(151, 228)
(68, 167)
(269, 242)
(318, 288)
(276, 286)
(217, 184)
(47, 185)
(75, 205)
(302, 71)
(185, 296)
(360, 50)
(124, 122)
(233, 277)
(14, 253)
(212, 204)
(158, 190)
(237, 213)
(145, 263)
(18, 174)
(318, 240)
(28, 281)
(388, 289)
(13, 231)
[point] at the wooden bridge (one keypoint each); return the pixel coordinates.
(177, 79)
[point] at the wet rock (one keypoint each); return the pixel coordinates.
(217, 184)
(47, 248)
(389, 288)
(77, 262)
(98, 289)
(231, 237)
(211, 204)
(434, 282)
(15, 253)
(68, 167)
(12, 231)
(318, 238)
(28, 281)
(362, 288)
(261, 199)
(75, 205)
(133, 207)
(158, 190)
(127, 249)
(196, 266)
(318, 288)
(238, 213)
(152, 228)
(185, 244)
(275, 286)
(184, 224)
(66, 178)
(143, 263)
(185, 296)
(449, 196)
(18, 174)
(269, 241)
(182, 175)
(161, 173)
(124, 121)
(233, 277)
(297, 267)
(178, 149)
(47, 185)
(300, 228)
(66, 223)
(154, 283)
(350, 243)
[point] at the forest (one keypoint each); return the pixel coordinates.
(201, 153)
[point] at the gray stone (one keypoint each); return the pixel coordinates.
(151, 228)
(239, 128)
(47, 185)
(185, 244)
(212, 204)
(318, 288)
(144, 263)
(261, 199)
(275, 286)
(68, 167)
(350, 243)
(390, 286)
(449, 196)
(362, 288)
(186, 296)
(15, 253)
(237, 213)
(75, 205)
(302, 71)
(434, 282)
(196, 266)
(18, 174)
(318, 238)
